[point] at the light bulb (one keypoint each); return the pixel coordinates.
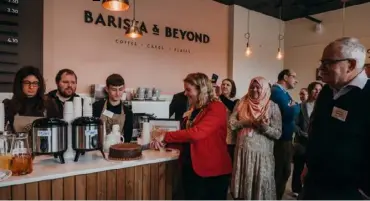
(279, 55)
(248, 51)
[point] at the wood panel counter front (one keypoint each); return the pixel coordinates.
(94, 178)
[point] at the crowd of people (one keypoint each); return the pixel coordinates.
(244, 146)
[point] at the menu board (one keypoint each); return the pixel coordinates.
(21, 38)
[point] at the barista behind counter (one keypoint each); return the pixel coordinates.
(66, 81)
(28, 102)
(112, 110)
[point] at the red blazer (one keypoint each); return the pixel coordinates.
(207, 139)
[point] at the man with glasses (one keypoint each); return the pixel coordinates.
(289, 110)
(337, 166)
(66, 81)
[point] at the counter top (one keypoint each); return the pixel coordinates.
(48, 168)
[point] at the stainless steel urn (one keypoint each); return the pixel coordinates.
(49, 136)
(87, 135)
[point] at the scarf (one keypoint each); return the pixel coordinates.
(251, 109)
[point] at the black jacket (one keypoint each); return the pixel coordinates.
(52, 95)
(178, 105)
(127, 127)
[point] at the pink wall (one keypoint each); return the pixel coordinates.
(91, 51)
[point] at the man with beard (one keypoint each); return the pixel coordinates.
(283, 148)
(66, 81)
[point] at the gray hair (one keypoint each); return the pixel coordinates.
(351, 48)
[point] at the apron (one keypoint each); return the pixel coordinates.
(23, 124)
(115, 119)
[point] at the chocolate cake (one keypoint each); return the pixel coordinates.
(125, 151)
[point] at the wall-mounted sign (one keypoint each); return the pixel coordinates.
(169, 32)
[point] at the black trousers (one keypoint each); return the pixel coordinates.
(298, 161)
(320, 192)
(283, 151)
(204, 188)
(231, 150)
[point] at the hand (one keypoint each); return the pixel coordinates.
(264, 121)
(304, 173)
(158, 135)
(156, 145)
(246, 123)
(218, 90)
(292, 103)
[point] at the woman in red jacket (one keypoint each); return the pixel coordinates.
(206, 164)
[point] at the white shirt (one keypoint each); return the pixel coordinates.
(310, 106)
(359, 81)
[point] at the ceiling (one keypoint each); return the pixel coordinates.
(291, 9)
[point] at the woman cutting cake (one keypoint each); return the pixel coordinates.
(206, 164)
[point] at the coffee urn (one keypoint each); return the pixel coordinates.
(49, 136)
(87, 135)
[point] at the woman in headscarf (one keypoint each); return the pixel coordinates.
(257, 121)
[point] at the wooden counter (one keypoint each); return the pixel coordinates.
(94, 178)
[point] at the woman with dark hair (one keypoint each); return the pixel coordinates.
(228, 93)
(28, 102)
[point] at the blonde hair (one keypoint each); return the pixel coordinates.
(204, 86)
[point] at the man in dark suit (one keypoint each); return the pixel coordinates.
(301, 136)
(179, 105)
(283, 148)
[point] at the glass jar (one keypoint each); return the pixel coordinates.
(6, 142)
(21, 155)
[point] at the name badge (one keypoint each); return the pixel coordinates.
(339, 114)
(108, 113)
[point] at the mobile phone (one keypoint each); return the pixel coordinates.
(214, 78)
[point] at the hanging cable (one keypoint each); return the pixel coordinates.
(344, 18)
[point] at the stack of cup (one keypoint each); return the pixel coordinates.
(2, 118)
(68, 116)
(87, 107)
(77, 107)
(145, 133)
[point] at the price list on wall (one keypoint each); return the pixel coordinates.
(20, 38)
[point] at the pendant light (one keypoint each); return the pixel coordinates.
(248, 50)
(344, 17)
(134, 31)
(116, 5)
(279, 55)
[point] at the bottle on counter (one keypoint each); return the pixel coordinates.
(21, 163)
(112, 138)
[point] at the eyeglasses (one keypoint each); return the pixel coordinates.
(29, 84)
(325, 63)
